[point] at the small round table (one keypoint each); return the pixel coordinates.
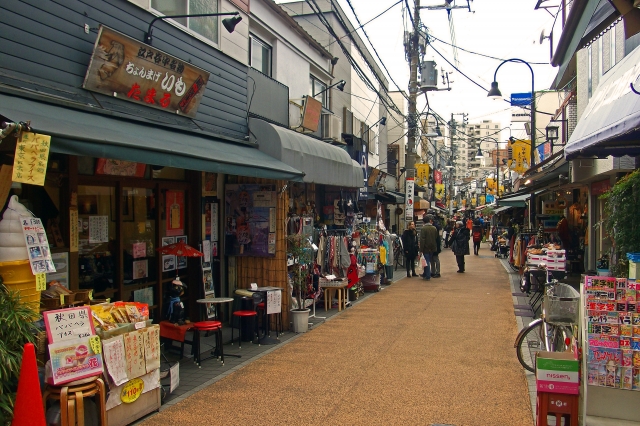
(214, 301)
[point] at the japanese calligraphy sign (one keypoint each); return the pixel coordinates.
(30, 162)
(274, 301)
(134, 354)
(408, 207)
(422, 174)
(521, 155)
(152, 347)
(68, 324)
(114, 359)
(123, 67)
(37, 245)
(73, 360)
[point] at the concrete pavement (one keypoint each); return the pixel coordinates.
(419, 352)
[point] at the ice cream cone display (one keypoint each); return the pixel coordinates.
(15, 267)
(12, 242)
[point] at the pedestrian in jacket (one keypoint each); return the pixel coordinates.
(428, 244)
(435, 259)
(447, 229)
(476, 233)
(460, 245)
(410, 245)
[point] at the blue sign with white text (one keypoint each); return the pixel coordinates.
(521, 99)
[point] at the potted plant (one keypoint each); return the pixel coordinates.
(17, 329)
(300, 256)
(621, 206)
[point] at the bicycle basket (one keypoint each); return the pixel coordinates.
(562, 305)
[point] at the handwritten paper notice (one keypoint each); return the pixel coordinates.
(98, 229)
(206, 249)
(114, 359)
(152, 347)
(30, 162)
(134, 354)
(274, 302)
(68, 324)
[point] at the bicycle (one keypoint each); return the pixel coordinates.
(553, 331)
(398, 253)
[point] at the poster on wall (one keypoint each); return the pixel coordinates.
(209, 182)
(37, 245)
(247, 219)
(174, 201)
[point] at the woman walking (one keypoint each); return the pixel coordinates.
(460, 244)
(476, 232)
(410, 244)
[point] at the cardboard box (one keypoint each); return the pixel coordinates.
(557, 372)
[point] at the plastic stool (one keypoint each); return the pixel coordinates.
(71, 396)
(559, 405)
(242, 314)
(215, 326)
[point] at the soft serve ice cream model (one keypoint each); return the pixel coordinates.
(12, 243)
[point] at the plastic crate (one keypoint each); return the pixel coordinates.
(563, 305)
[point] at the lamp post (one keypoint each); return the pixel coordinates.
(495, 94)
(479, 155)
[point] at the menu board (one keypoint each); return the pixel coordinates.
(68, 324)
(248, 219)
(37, 245)
(274, 302)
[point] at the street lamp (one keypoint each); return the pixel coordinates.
(552, 134)
(339, 85)
(382, 121)
(228, 23)
(494, 93)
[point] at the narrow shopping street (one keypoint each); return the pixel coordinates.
(419, 352)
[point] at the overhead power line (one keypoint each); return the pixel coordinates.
(369, 21)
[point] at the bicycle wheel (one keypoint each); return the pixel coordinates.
(399, 259)
(532, 340)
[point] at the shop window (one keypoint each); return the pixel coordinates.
(206, 27)
(260, 55)
(97, 246)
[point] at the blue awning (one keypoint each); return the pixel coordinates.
(610, 125)
(85, 133)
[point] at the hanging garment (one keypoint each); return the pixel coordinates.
(383, 253)
(352, 272)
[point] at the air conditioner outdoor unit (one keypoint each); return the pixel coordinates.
(332, 127)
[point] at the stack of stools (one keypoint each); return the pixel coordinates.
(206, 326)
(257, 298)
(71, 396)
(560, 405)
(279, 330)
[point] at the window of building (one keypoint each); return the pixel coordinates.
(206, 27)
(612, 47)
(317, 86)
(260, 54)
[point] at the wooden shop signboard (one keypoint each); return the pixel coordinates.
(131, 70)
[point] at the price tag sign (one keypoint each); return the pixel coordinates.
(41, 282)
(139, 325)
(132, 391)
(90, 294)
(62, 299)
(96, 345)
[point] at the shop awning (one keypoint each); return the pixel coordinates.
(83, 133)
(502, 209)
(515, 201)
(321, 162)
(610, 125)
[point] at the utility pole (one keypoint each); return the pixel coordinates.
(412, 121)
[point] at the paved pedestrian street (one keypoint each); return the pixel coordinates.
(418, 352)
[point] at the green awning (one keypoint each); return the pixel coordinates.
(79, 132)
(517, 201)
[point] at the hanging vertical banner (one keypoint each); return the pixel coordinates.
(439, 193)
(174, 201)
(408, 207)
(73, 229)
(520, 155)
(482, 200)
(422, 174)
(437, 176)
(30, 162)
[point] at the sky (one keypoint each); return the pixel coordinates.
(504, 29)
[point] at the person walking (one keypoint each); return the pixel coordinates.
(476, 233)
(428, 244)
(410, 244)
(469, 224)
(460, 246)
(447, 229)
(435, 259)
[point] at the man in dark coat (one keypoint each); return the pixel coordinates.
(410, 245)
(428, 244)
(460, 245)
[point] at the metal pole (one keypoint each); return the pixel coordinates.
(532, 200)
(413, 88)
(497, 171)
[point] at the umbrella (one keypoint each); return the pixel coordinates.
(180, 249)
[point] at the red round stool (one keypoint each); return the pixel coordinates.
(242, 314)
(215, 326)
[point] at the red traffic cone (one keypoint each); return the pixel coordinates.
(28, 409)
